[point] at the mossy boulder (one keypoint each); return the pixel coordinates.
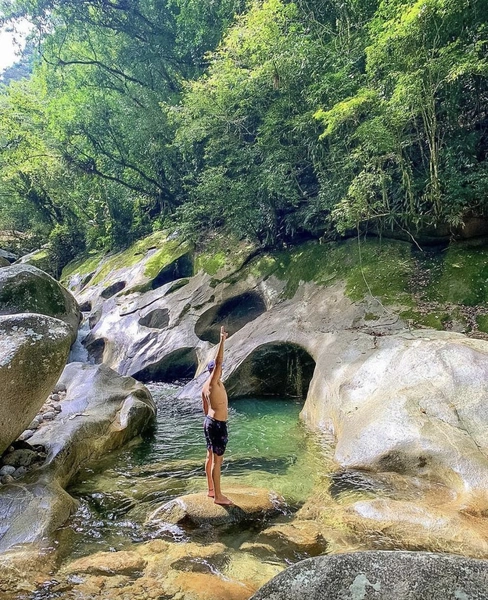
(24, 288)
(33, 350)
(38, 258)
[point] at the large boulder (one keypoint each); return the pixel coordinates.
(34, 349)
(412, 403)
(37, 258)
(100, 412)
(380, 576)
(24, 288)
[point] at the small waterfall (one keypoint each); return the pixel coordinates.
(78, 352)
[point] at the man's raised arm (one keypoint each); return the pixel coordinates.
(219, 359)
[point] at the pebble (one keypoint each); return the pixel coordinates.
(59, 388)
(20, 458)
(55, 397)
(20, 472)
(6, 470)
(28, 433)
(57, 408)
(49, 416)
(36, 421)
(6, 479)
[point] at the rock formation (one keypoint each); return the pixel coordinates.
(382, 576)
(24, 288)
(33, 350)
(100, 412)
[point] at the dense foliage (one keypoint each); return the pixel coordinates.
(269, 119)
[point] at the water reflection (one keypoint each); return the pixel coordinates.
(268, 447)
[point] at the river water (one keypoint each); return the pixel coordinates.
(268, 447)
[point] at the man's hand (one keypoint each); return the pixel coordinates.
(223, 333)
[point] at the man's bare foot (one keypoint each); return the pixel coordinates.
(211, 494)
(223, 501)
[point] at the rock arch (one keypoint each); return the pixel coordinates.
(233, 313)
(156, 319)
(274, 369)
(178, 365)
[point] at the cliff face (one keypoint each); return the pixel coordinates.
(371, 334)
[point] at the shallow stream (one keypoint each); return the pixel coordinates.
(268, 447)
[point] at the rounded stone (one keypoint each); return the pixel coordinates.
(20, 458)
(249, 504)
(50, 415)
(28, 433)
(381, 575)
(36, 421)
(20, 472)
(34, 349)
(7, 470)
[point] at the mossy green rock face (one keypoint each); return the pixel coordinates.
(33, 352)
(24, 288)
(147, 264)
(39, 259)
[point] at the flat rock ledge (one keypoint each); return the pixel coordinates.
(250, 504)
(382, 576)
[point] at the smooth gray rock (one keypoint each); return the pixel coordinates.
(33, 352)
(381, 576)
(101, 412)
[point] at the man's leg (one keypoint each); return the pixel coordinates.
(208, 472)
(216, 468)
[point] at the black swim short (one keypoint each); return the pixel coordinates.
(216, 435)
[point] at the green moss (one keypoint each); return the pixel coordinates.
(482, 322)
(170, 252)
(462, 277)
(83, 266)
(27, 293)
(211, 263)
(225, 255)
(129, 257)
(380, 268)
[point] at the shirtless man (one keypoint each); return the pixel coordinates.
(215, 407)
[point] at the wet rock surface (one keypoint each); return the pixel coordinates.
(249, 504)
(98, 411)
(380, 576)
(160, 569)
